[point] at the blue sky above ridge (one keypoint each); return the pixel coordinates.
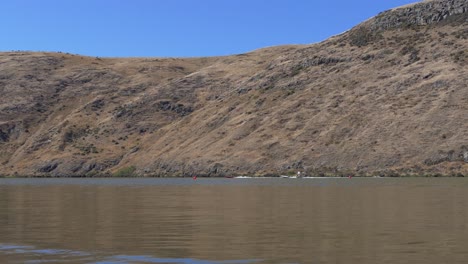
(176, 28)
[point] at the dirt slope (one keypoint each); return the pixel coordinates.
(389, 97)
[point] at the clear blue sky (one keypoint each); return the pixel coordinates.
(176, 28)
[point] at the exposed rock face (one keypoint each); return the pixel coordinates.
(388, 97)
(424, 13)
(9, 131)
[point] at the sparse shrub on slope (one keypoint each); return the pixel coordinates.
(125, 172)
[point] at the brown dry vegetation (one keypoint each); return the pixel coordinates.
(376, 100)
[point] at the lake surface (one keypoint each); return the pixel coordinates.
(231, 221)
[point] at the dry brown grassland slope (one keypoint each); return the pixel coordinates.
(389, 97)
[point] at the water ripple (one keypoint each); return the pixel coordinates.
(150, 259)
(72, 255)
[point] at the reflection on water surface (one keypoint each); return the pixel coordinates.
(233, 220)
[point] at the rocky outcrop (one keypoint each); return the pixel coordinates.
(424, 13)
(10, 131)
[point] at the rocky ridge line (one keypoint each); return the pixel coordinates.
(420, 14)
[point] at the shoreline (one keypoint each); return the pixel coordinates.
(269, 176)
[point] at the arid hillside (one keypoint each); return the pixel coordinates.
(388, 97)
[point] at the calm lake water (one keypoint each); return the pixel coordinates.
(231, 221)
